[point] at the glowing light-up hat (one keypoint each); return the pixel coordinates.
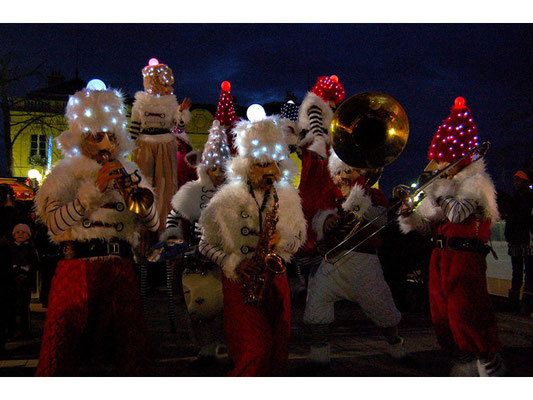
(157, 78)
(92, 110)
(454, 138)
(329, 88)
(261, 141)
(216, 150)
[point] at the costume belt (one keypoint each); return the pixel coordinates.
(95, 248)
(461, 244)
(155, 131)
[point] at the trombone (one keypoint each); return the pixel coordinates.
(332, 258)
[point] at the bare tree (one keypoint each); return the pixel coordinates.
(11, 74)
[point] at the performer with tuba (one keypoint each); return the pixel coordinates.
(182, 225)
(358, 276)
(251, 227)
(93, 203)
(458, 211)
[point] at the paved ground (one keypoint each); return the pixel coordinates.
(357, 349)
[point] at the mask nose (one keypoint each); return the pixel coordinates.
(105, 144)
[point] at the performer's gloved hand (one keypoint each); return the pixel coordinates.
(108, 172)
(246, 268)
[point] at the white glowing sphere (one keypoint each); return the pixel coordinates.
(96, 84)
(153, 61)
(255, 113)
(34, 174)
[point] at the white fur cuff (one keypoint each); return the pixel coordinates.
(89, 195)
(318, 222)
(319, 146)
(230, 264)
(441, 187)
(358, 201)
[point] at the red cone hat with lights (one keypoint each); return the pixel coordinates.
(226, 113)
(456, 136)
(329, 88)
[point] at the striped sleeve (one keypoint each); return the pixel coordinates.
(61, 218)
(181, 124)
(151, 218)
(135, 129)
(315, 120)
(173, 226)
(456, 210)
(212, 252)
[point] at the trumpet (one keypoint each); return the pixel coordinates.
(406, 198)
(138, 199)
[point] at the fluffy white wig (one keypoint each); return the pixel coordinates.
(91, 111)
(261, 141)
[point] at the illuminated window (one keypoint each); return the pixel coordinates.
(38, 146)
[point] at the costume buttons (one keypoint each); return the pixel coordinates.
(205, 197)
(86, 223)
(245, 231)
(119, 207)
(245, 249)
(357, 208)
(119, 227)
(203, 205)
(244, 214)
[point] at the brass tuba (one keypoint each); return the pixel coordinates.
(368, 131)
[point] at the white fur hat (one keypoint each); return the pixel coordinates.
(22, 227)
(92, 111)
(261, 141)
(335, 164)
(216, 149)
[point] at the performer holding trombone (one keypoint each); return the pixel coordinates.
(458, 211)
(358, 277)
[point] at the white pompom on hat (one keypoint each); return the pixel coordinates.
(91, 111)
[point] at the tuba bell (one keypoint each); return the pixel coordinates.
(369, 130)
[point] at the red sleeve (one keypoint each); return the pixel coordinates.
(378, 198)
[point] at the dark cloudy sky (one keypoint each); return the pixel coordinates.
(423, 66)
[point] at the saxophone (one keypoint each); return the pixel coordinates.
(256, 288)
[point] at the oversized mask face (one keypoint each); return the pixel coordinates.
(158, 80)
(100, 146)
(263, 175)
(217, 175)
(347, 178)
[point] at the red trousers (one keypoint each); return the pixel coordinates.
(258, 335)
(94, 304)
(461, 310)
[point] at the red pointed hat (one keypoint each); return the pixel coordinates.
(329, 88)
(456, 136)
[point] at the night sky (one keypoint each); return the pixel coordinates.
(423, 66)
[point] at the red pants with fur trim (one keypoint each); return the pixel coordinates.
(94, 304)
(258, 335)
(461, 310)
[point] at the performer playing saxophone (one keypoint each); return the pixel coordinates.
(234, 222)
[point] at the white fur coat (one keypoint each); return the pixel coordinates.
(231, 222)
(74, 177)
(165, 108)
(473, 183)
